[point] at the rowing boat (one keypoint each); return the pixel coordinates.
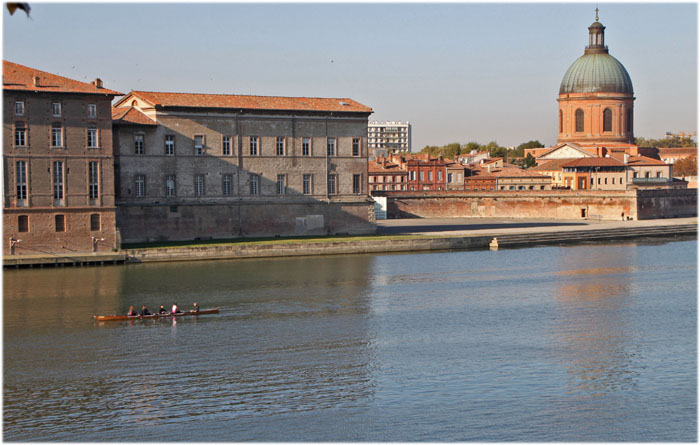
(148, 317)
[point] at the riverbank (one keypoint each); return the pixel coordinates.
(417, 235)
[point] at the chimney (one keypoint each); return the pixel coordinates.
(36, 81)
(383, 162)
(97, 82)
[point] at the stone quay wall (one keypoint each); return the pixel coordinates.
(152, 223)
(555, 204)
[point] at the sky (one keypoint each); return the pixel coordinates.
(458, 72)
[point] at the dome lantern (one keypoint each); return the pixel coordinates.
(596, 37)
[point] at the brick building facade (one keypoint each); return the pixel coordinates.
(222, 166)
(57, 164)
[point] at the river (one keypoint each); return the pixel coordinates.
(560, 343)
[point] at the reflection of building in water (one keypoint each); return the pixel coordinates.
(592, 301)
(64, 296)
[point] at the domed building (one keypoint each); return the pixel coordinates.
(596, 97)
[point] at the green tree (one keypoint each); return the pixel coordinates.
(529, 161)
(671, 141)
(520, 149)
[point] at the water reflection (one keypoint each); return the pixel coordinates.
(592, 301)
(291, 337)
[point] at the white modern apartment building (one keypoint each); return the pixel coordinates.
(388, 137)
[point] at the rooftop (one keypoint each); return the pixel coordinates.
(203, 100)
(22, 78)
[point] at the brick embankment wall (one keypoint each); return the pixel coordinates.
(42, 237)
(673, 203)
(149, 223)
(605, 205)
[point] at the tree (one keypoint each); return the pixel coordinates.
(529, 161)
(671, 141)
(686, 167)
(520, 149)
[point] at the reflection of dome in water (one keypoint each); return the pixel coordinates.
(596, 73)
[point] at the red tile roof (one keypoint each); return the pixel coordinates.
(130, 115)
(390, 168)
(196, 100)
(22, 78)
(594, 162)
(643, 160)
(505, 171)
(554, 164)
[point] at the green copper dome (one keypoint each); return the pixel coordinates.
(596, 73)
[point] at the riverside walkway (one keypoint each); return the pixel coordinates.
(400, 235)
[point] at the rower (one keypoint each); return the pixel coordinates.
(162, 310)
(195, 309)
(132, 312)
(175, 309)
(145, 311)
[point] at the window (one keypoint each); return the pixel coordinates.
(169, 144)
(579, 120)
(19, 108)
(170, 185)
(422, 175)
(357, 184)
(23, 223)
(613, 180)
(430, 176)
(92, 111)
(60, 223)
(331, 146)
(332, 184)
(93, 179)
(95, 222)
(21, 168)
(281, 181)
(56, 135)
(635, 174)
(254, 146)
(607, 119)
(412, 176)
(439, 175)
(306, 188)
(56, 109)
(226, 186)
(20, 135)
(449, 177)
(356, 147)
(306, 146)
(199, 185)
(647, 175)
(280, 146)
(254, 184)
(138, 144)
(198, 145)
(140, 186)
(92, 137)
(58, 180)
(226, 146)
(658, 174)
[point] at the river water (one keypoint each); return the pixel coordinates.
(585, 343)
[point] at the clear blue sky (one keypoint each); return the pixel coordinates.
(458, 72)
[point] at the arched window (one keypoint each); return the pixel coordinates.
(579, 120)
(629, 120)
(607, 119)
(561, 121)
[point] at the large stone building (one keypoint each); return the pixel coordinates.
(387, 137)
(57, 164)
(195, 166)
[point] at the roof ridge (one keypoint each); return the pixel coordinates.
(245, 95)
